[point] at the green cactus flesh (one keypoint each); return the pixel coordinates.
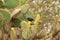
(11, 3)
(25, 32)
(6, 15)
(22, 2)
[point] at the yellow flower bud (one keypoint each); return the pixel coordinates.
(29, 22)
(57, 16)
(12, 28)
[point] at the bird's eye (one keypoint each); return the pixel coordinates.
(30, 19)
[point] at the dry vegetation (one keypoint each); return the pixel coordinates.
(29, 19)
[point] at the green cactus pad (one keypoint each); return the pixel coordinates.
(25, 32)
(24, 8)
(29, 15)
(24, 25)
(20, 16)
(22, 2)
(0, 2)
(13, 34)
(11, 3)
(1, 17)
(6, 15)
(1, 21)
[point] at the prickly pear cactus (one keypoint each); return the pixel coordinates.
(1, 2)
(10, 3)
(1, 21)
(13, 34)
(6, 15)
(22, 2)
(35, 19)
(25, 30)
